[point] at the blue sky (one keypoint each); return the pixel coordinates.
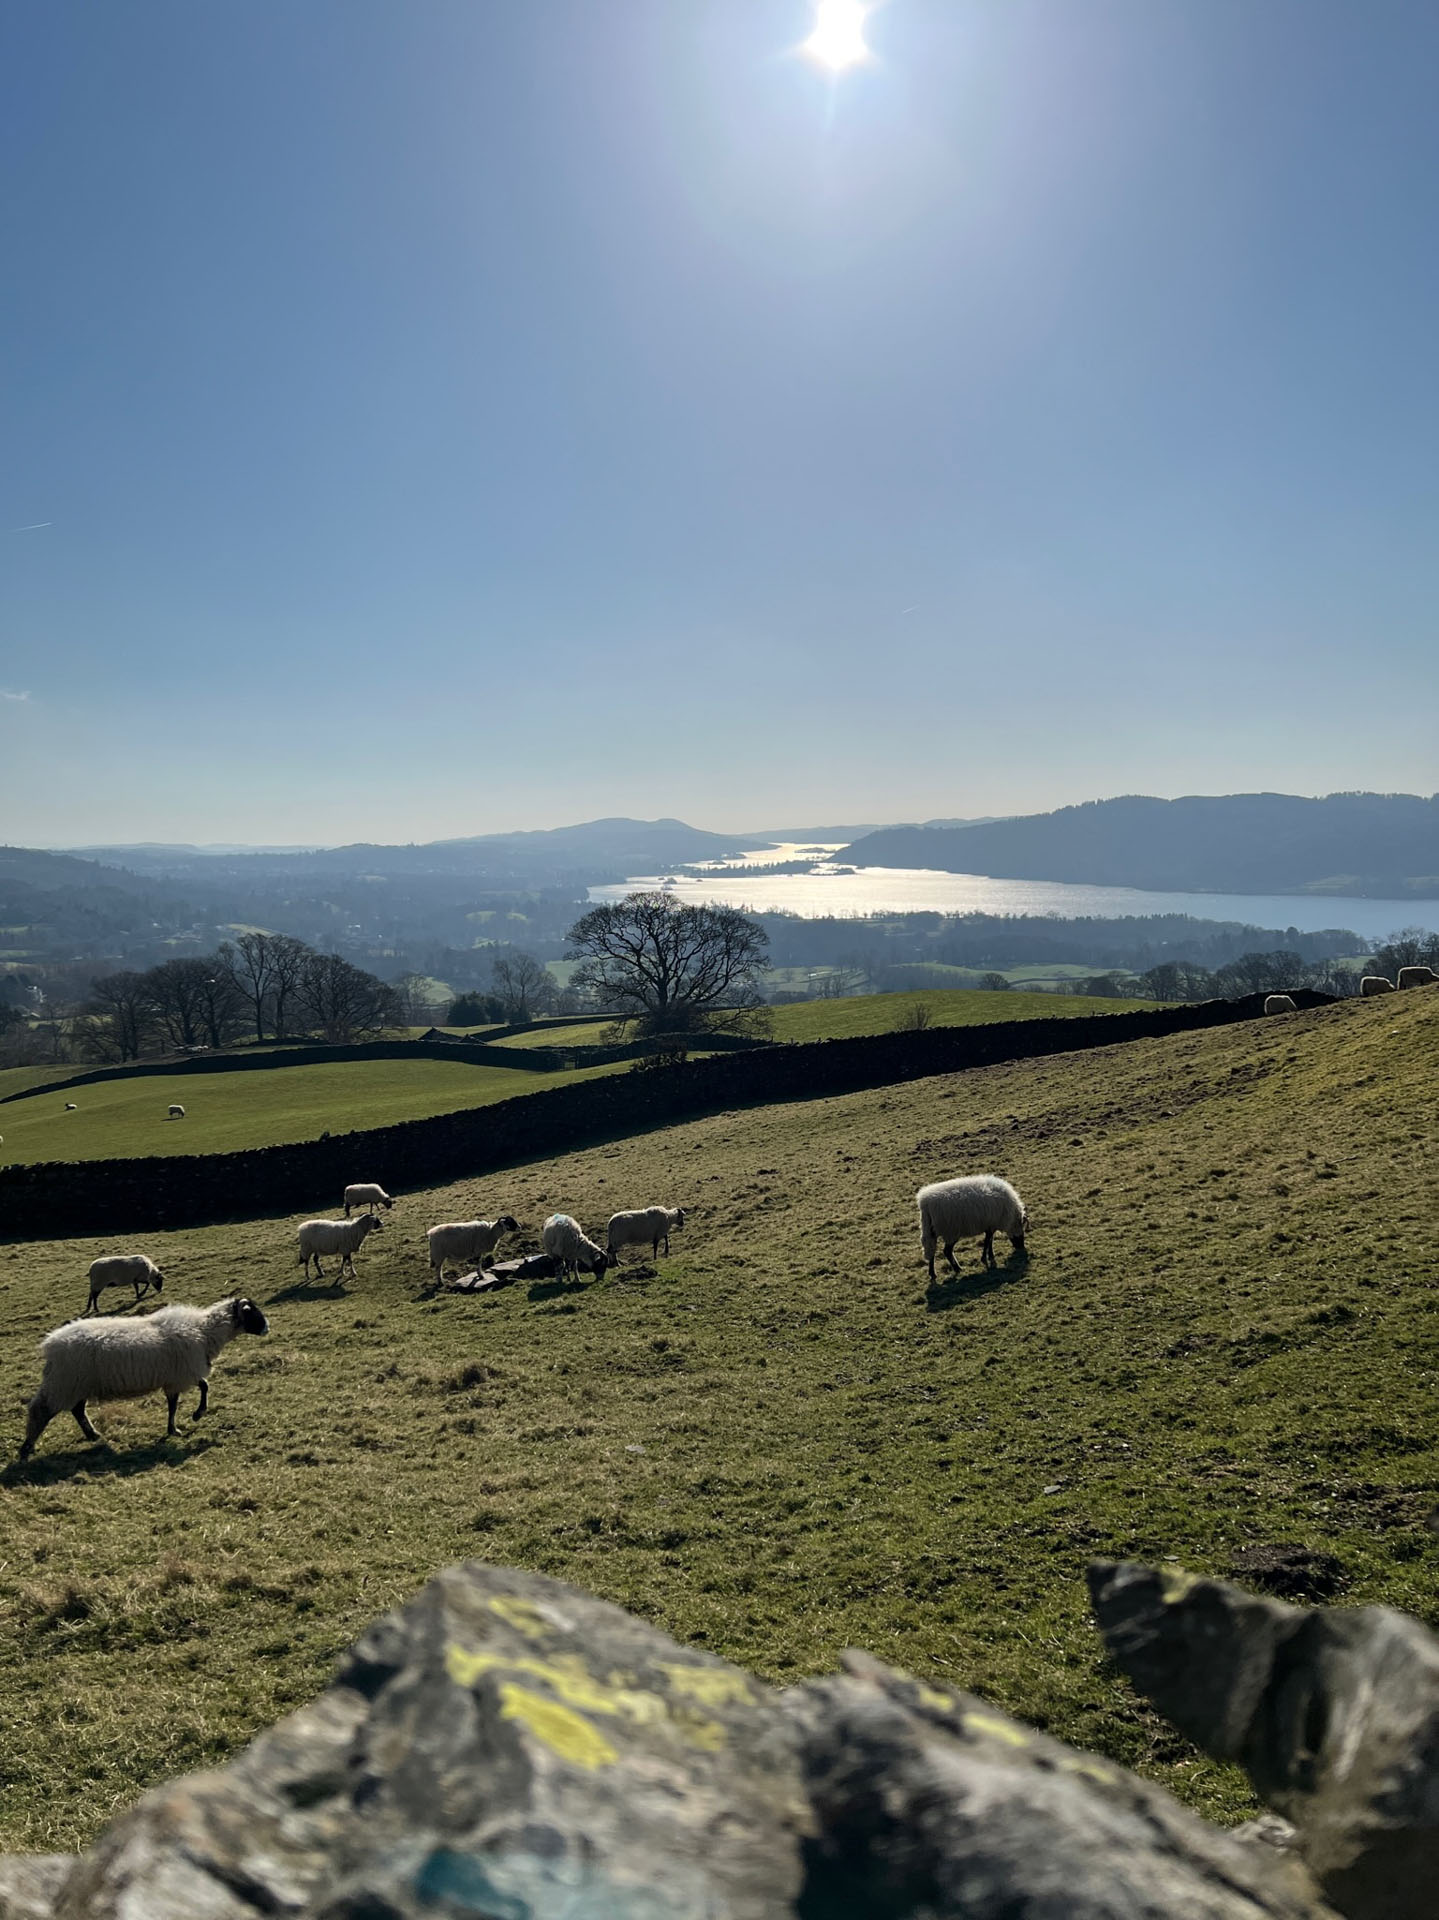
(453, 415)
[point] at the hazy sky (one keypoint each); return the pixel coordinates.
(449, 415)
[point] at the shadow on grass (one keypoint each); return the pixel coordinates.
(554, 1289)
(98, 1458)
(308, 1290)
(958, 1288)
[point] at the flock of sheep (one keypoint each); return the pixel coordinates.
(172, 1350)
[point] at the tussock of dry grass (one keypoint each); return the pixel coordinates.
(779, 1442)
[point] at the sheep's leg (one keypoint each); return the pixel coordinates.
(172, 1400)
(84, 1419)
(987, 1254)
(204, 1399)
(949, 1256)
(38, 1417)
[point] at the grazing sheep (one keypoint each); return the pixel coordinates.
(70, 1107)
(1279, 1003)
(1417, 976)
(344, 1237)
(166, 1352)
(1374, 983)
(951, 1210)
(135, 1270)
(177, 1112)
(644, 1227)
(564, 1240)
(368, 1196)
(466, 1240)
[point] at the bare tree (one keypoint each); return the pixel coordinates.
(177, 994)
(222, 1005)
(524, 985)
(342, 1000)
(254, 962)
(288, 960)
(677, 971)
(123, 1013)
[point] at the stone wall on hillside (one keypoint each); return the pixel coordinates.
(116, 1196)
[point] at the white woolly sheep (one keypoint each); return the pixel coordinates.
(177, 1112)
(368, 1195)
(344, 1237)
(643, 1227)
(466, 1241)
(70, 1107)
(135, 1270)
(1374, 983)
(564, 1239)
(951, 1210)
(1417, 976)
(1279, 1003)
(166, 1352)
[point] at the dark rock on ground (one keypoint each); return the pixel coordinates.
(1334, 1715)
(508, 1747)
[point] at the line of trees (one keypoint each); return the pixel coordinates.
(1260, 972)
(267, 985)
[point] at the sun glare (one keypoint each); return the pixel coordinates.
(838, 37)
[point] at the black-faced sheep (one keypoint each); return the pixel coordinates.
(1279, 1003)
(167, 1352)
(1374, 983)
(344, 1237)
(951, 1210)
(70, 1107)
(466, 1242)
(1417, 976)
(177, 1112)
(135, 1270)
(564, 1240)
(642, 1227)
(368, 1195)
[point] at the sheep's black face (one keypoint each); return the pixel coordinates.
(158, 1283)
(249, 1319)
(508, 1222)
(373, 1222)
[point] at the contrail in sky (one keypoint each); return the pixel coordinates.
(34, 526)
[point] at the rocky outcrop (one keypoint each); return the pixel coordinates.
(506, 1746)
(1333, 1713)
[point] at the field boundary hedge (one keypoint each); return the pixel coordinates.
(54, 1199)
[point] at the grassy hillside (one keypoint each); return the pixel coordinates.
(225, 1111)
(783, 1442)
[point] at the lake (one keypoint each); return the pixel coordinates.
(824, 890)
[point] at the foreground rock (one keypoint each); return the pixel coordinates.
(506, 1746)
(1334, 1715)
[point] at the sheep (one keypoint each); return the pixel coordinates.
(1279, 1003)
(70, 1107)
(368, 1196)
(1374, 983)
(1417, 976)
(462, 1240)
(951, 1210)
(166, 1352)
(135, 1270)
(645, 1226)
(344, 1237)
(564, 1240)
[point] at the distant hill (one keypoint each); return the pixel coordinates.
(1379, 845)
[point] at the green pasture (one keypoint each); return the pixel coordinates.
(782, 1441)
(259, 1107)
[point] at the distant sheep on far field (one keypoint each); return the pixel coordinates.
(70, 1107)
(951, 1210)
(135, 1270)
(344, 1237)
(466, 1240)
(368, 1195)
(642, 1227)
(564, 1239)
(1417, 976)
(166, 1352)
(1374, 983)
(1279, 1003)
(177, 1112)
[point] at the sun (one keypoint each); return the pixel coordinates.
(837, 40)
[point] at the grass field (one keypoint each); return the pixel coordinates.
(783, 1442)
(878, 1013)
(254, 1108)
